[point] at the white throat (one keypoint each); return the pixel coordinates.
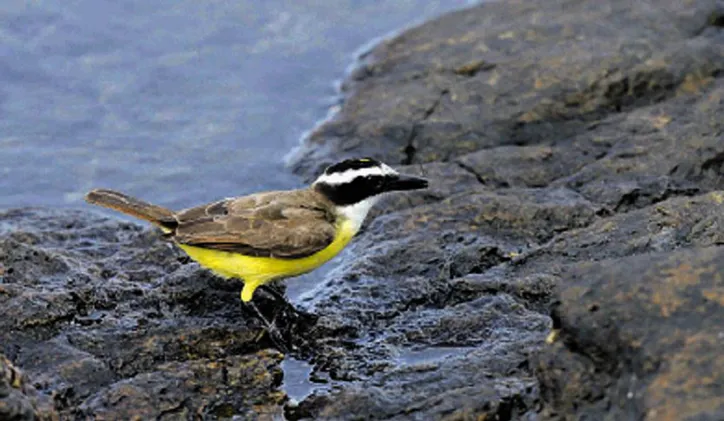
(357, 213)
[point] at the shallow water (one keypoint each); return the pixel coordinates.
(179, 102)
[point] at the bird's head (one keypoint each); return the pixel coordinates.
(362, 180)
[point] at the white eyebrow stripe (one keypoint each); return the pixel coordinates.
(349, 175)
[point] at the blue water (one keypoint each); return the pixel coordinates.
(179, 102)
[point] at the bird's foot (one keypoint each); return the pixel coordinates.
(285, 313)
(275, 336)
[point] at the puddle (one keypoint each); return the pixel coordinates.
(296, 382)
(298, 386)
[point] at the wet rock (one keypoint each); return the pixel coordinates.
(244, 386)
(413, 390)
(414, 287)
(111, 320)
(579, 142)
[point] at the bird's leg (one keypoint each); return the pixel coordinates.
(274, 335)
(282, 300)
(278, 296)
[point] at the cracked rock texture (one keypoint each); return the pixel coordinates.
(109, 321)
(19, 400)
(592, 137)
(576, 157)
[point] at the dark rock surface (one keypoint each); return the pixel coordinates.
(576, 156)
(552, 85)
(651, 327)
(18, 400)
(593, 132)
(109, 320)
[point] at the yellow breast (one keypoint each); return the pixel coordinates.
(256, 271)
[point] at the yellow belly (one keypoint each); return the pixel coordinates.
(256, 271)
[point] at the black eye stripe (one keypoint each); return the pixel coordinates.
(357, 190)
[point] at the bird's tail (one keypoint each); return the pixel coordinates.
(164, 218)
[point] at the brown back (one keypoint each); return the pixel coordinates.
(288, 224)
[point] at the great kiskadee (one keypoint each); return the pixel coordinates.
(272, 235)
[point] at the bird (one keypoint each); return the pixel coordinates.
(272, 235)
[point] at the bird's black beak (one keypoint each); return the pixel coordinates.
(405, 182)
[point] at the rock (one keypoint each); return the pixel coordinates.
(582, 142)
(19, 400)
(650, 327)
(244, 386)
(111, 320)
(413, 391)
(534, 78)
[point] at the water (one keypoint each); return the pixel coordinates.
(298, 386)
(178, 102)
(296, 379)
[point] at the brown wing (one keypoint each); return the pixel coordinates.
(290, 224)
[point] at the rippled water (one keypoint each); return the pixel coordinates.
(178, 102)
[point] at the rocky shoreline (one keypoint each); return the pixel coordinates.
(576, 153)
